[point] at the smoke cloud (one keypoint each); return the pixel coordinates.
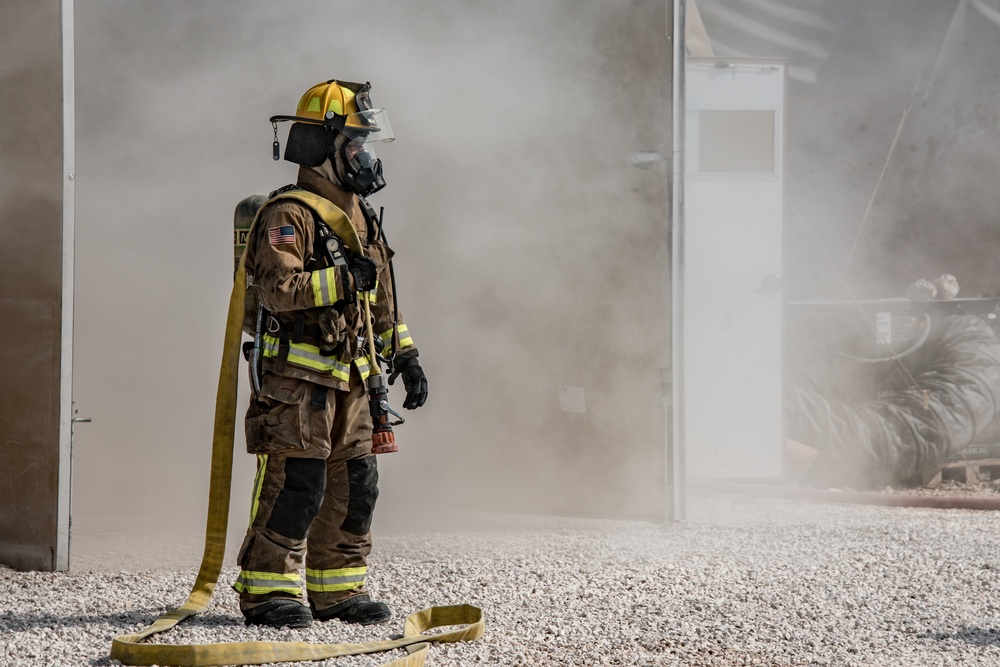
(867, 71)
(529, 255)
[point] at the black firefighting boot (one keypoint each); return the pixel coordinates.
(359, 609)
(279, 613)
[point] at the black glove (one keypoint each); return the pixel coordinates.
(364, 271)
(413, 379)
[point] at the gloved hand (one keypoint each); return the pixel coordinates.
(414, 380)
(364, 271)
(333, 326)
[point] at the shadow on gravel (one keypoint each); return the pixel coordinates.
(974, 636)
(123, 622)
(213, 621)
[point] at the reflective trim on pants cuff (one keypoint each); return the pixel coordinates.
(334, 581)
(262, 583)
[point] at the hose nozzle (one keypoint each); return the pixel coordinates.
(383, 439)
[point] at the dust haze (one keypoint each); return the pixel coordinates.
(530, 256)
(923, 70)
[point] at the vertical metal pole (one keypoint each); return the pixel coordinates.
(68, 243)
(676, 509)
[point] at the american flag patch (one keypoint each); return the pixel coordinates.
(281, 235)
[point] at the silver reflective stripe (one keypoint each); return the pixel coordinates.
(321, 288)
(312, 580)
(404, 336)
(270, 583)
(256, 582)
(308, 356)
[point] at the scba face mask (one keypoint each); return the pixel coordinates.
(354, 148)
(356, 165)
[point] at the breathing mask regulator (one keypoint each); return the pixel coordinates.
(336, 120)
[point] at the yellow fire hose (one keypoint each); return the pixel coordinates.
(130, 650)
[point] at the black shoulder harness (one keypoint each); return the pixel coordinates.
(371, 221)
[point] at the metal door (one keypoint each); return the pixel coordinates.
(733, 267)
(36, 281)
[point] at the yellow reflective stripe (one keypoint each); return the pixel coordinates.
(324, 286)
(372, 293)
(308, 356)
(331, 581)
(303, 354)
(258, 483)
(283, 578)
(240, 587)
(404, 336)
(364, 366)
(262, 583)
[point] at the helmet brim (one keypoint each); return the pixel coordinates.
(366, 126)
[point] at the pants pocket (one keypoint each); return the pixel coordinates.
(278, 421)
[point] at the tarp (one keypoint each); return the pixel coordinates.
(934, 402)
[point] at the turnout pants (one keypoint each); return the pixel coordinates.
(314, 493)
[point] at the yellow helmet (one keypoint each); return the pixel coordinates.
(345, 107)
(324, 97)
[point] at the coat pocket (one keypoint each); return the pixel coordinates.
(380, 253)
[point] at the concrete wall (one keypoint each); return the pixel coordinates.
(31, 283)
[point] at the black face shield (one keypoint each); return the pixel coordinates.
(308, 144)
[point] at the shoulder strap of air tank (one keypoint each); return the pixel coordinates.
(332, 215)
(371, 220)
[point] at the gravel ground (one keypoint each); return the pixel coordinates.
(742, 582)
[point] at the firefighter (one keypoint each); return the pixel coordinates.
(308, 421)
